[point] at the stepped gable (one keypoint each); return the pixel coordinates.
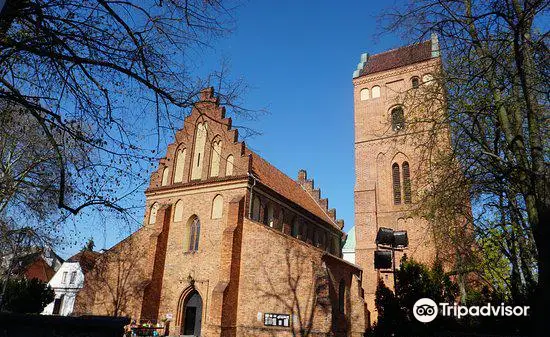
(279, 182)
(397, 58)
(208, 110)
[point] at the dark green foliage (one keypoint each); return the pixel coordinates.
(415, 281)
(27, 296)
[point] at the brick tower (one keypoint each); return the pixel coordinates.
(386, 154)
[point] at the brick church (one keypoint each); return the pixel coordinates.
(231, 246)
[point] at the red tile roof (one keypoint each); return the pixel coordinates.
(396, 58)
(282, 184)
(86, 259)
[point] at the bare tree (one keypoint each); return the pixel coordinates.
(109, 77)
(495, 105)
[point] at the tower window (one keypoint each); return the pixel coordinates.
(365, 94)
(375, 92)
(406, 183)
(396, 184)
(415, 81)
(397, 119)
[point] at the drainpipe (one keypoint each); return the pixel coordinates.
(251, 195)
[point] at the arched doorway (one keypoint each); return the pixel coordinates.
(192, 315)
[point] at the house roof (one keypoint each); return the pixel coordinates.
(279, 182)
(397, 58)
(86, 259)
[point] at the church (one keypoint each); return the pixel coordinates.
(231, 246)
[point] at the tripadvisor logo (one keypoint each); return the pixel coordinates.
(426, 310)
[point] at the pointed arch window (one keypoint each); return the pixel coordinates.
(153, 213)
(229, 165)
(198, 155)
(165, 176)
(217, 207)
(194, 235)
(375, 92)
(216, 155)
(180, 165)
(415, 82)
(397, 119)
(406, 183)
(396, 184)
(178, 211)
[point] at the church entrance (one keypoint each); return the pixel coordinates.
(192, 316)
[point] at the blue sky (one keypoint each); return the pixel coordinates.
(298, 58)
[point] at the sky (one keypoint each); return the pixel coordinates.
(298, 58)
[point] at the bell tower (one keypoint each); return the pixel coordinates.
(386, 155)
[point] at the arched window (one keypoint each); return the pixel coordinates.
(178, 211)
(194, 234)
(153, 213)
(364, 94)
(217, 207)
(397, 119)
(406, 183)
(165, 176)
(180, 165)
(216, 155)
(396, 184)
(375, 92)
(198, 151)
(256, 209)
(415, 82)
(229, 165)
(342, 297)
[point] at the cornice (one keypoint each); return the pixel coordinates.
(396, 72)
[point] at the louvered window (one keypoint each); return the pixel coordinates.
(406, 183)
(396, 184)
(397, 119)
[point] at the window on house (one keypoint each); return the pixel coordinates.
(64, 278)
(406, 183)
(375, 92)
(397, 119)
(73, 277)
(58, 304)
(415, 82)
(194, 234)
(396, 184)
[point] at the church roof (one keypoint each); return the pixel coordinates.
(399, 57)
(279, 182)
(349, 245)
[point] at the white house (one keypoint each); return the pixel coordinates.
(68, 281)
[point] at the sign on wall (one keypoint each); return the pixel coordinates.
(276, 320)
